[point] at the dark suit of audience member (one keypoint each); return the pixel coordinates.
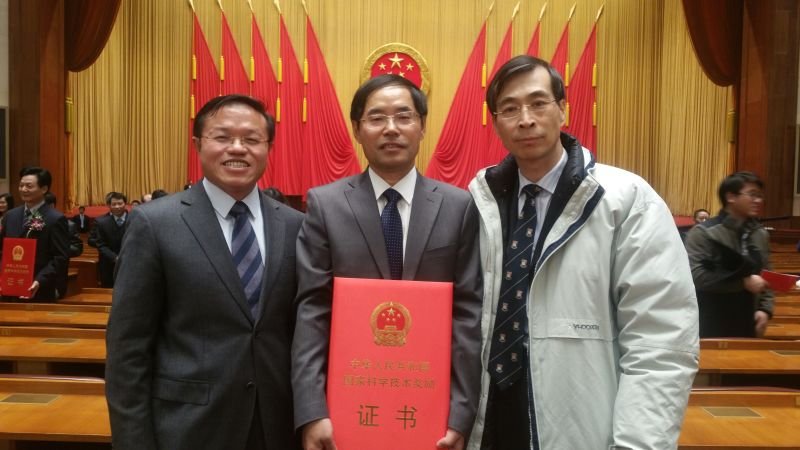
(52, 244)
(83, 222)
(107, 236)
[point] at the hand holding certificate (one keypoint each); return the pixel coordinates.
(780, 282)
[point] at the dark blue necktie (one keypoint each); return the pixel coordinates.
(511, 322)
(393, 233)
(246, 255)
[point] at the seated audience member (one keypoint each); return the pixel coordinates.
(135, 203)
(146, 198)
(107, 236)
(75, 242)
(83, 221)
(727, 254)
(158, 193)
(275, 194)
(699, 216)
(36, 220)
(6, 203)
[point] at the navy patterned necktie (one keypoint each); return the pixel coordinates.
(246, 255)
(393, 233)
(511, 321)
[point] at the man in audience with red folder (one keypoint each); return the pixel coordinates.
(37, 220)
(590, 318)
(389, 222)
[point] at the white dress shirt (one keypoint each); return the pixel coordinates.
(222, 204)
(405, 187)
(547, 184)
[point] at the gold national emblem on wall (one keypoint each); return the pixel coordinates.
(390, 322)
(398, 59)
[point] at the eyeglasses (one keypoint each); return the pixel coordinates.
(753, 194)
(536, 108)
(380, 121)
(226, 141)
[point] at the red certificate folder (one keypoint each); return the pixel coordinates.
(780, 282)
(19, 259)
(389, 363)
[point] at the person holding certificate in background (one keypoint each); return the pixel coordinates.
(37, 220)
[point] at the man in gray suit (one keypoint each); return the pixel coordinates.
(344, 236)
(200, 331)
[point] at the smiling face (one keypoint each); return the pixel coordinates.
(234, 166)
(391, 147)
(534, 136)
(30, 191)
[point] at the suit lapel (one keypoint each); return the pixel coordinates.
(362, 202)
(274, 233)
(424, 210)
(201, 219)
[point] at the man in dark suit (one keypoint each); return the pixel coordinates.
(83, 221)
(35, 219)
(343, 236)
(199, 338)
(107, 235)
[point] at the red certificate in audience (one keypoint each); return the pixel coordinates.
(19, 259)
(389, 365)
(780, 282)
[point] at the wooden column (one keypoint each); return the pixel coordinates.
(768, 98)
(37, 90)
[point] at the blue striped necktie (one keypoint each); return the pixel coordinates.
(511, 321)
(246, 255)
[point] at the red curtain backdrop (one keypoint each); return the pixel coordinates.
(582, 91)
(327, 141)
(233, 78)
(87, 26)
(286, 162)
(495, 151)
(461, 149)
(716, 30)
(264, 85)
(533, 46)
(560, 61)
(204, 85)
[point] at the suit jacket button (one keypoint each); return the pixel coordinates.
(250, 385)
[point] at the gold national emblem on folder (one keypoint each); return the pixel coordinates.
(18, 253)
(390, 322)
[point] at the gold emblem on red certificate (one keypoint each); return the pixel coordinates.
(390, 322)
(398, 59)
(18, 253)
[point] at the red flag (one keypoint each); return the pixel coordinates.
(264, 84)
(533, 46)
(331, 155)
(233, 78)
(204, 85)
(495, 151)
(583, 105)
(288, 157)
(461, 149)
(560, 61)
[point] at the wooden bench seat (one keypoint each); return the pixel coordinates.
(40, 350)
(53, 315)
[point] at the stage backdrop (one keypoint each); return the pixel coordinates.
(657, 113)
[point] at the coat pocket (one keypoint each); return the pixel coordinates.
(195, 392)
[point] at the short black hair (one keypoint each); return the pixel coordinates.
(158, 193)
(9, 200)
(519, 65)
(734, 183)
(81, 208)
(217, 103)
(113, 195)
(50, 198)
(373, 84)
(275, 194)
(698, 211)
(43, 177)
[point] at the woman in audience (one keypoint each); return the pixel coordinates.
(6, 203)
